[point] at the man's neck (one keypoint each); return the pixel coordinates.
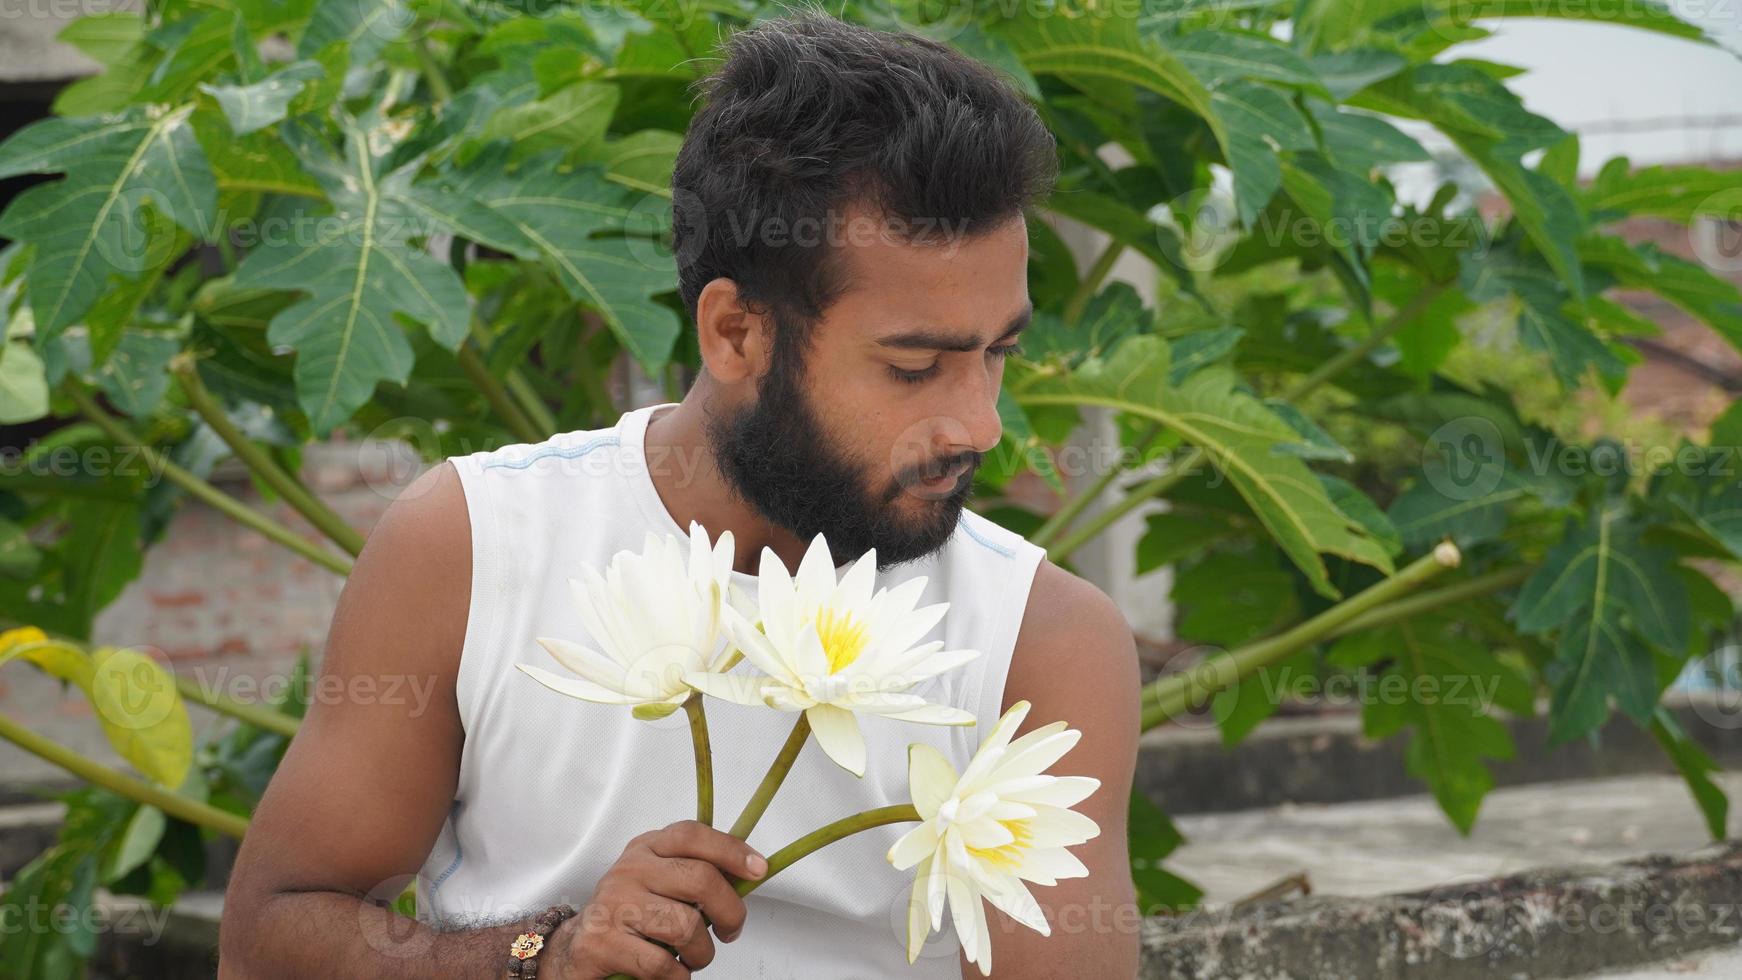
(690, 484)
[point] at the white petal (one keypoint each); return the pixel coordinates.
(1010, 896)
(759, 650)
(917, 911)
(815, 581)
(1059, 791)
(964, 904)
(1039, 749)
(854, 589)
(985, 834)
(738, 688)
(933, 714)
(1054, 827)
(930, 778)
(576, 688)
(810, 660)
(1048, 865)
(584, 661)
(993, 747)
(913, 847)
(838, 734)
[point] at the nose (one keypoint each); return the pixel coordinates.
(979, 413)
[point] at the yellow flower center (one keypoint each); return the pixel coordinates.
(843, 637)
(1009, 856)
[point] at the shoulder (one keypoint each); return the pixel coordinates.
(1074, 645)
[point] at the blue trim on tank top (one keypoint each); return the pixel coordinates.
(458, 854)
(573, 452)
(1006, 552)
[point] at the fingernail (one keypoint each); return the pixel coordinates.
(757, 865)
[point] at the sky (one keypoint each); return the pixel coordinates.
(1587, 77)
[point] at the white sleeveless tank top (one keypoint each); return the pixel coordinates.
(552, 788)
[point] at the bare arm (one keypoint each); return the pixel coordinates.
(1076, 661)
(352, 812)
(354, 808)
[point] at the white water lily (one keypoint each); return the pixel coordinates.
(834, 650)
(655, 618)
(984, 833)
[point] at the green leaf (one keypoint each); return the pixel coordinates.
(359, 267)
(254, 107)
(103, 552)
(1201, 348)
(574, 221)
(1258, 121)
(1172, 537)
(136, 376)
(1111, 315)
(1225, 55)
(1359, 142)
(1697, 770)
(1610, 595)
(1027, 448)
(1233, 598)
(1347, 72)
(1646, 15)
(1088, 46)
(1680, 194)
(1238, 433)
(1152, 838)
(366, 26)
(573, 119)
(97, 221)
(136, 844)
(18, 556)
(1435, 678)
(23, 384)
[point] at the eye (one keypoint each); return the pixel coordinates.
(1008, 350)
(912, 377)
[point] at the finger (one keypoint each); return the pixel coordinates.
(694, 839)
(676, 924)
(699, 883)
(641, 958)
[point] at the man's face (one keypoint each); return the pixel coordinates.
(900, 386)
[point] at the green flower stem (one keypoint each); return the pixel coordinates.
(530, 402)
(1422, 602)
(692, 706)
(1136, 496)
(217, 499)
(801, 731)
(1171, 696)
(260, 716)
(824, 836)
(815, 840)
(1091, 282)
(91, 771)
(500, 401)
(262, 464)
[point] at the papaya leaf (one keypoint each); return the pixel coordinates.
(97, 221)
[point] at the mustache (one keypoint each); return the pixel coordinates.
(937, 469)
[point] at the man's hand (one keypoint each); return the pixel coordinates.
(657, 891)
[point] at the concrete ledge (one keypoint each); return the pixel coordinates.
(1558, 922)
(1185, 768)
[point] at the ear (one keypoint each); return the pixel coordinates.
(735, 344)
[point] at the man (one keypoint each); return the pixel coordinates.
(852, 249)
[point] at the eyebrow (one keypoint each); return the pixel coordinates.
(938, 340)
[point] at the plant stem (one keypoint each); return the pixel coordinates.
(692, 706)
(265, 718)
(1170, 696)
(530, 402)
(262, 464)
(1155, 486)
(211, 495)
(824, 836)
(115, 781)
(496, 395)
(753, 810)
(1073, 507)
(432, 72)
(1415, 605)
(1091, 281)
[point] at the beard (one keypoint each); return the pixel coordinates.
(778, 458)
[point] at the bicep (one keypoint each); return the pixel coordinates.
(1077, 662)
(367, 780)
